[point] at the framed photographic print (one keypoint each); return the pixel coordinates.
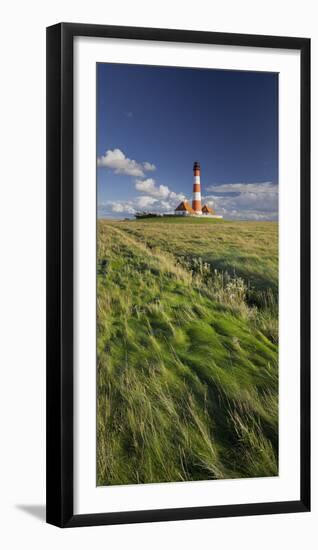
(178, 273)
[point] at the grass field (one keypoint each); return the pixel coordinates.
(187, 335)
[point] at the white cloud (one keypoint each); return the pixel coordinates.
(249, 201)
(255, 201)
(167, 206)
(149, 167)
(263, 187)
(117, 161)
(144, 201)
(130, 207)
(155, 198)
(149, 186)
(176, 196)
(117, 207)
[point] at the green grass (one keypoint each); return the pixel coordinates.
(187, 354)
(247, 249)
(178, 220)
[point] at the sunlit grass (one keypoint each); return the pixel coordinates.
(187, 358)
(248, 249)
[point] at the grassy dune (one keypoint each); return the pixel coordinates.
(187, 352)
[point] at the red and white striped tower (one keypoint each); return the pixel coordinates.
(196, 196)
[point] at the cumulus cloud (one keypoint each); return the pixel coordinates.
(116, 207)
(137, 204)
(176, 196)
(149, 167)
(145, 201)
(249, 201)
(117, 161)
(154, 197)
(263, 187)
(150, 187)
(254, 201)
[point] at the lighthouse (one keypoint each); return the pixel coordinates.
(196, 195)
(184, 208)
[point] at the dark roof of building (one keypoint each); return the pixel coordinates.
(184, 205)
(207, 208)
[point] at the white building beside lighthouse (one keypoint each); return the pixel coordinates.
(184, 208)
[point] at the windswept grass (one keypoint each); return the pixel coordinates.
(187, 361)
(247, 249)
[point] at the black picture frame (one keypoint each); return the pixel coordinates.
(60, 274)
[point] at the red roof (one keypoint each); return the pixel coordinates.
(184, 206)
(207, 210)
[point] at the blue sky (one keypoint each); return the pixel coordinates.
(154, 122)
